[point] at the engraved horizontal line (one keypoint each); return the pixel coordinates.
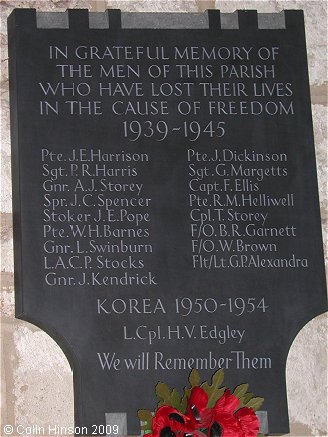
(159, 20)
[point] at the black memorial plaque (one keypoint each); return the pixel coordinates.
(165, 199)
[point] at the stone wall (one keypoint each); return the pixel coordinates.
(36, 384)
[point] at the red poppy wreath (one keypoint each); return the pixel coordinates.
(204, 410)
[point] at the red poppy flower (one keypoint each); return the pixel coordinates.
(227, 404)
(248, 422)
(224, 426)
(223, 423)
(224, 420)
(167, 422)
(197, 411)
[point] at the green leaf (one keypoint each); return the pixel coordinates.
(146, 418)
(241, 403)
(175, 399)
(187, 392)
(213, 390)
(218, 377)
(194, 381)
(194, 378)
(216, 397)
(184, 400)
(183, 404)
(162, 390)
(145, 415)
(145, 428)
(247, 397)
(240, 390)
(167, 396)
(255, 403)
(163, 393)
